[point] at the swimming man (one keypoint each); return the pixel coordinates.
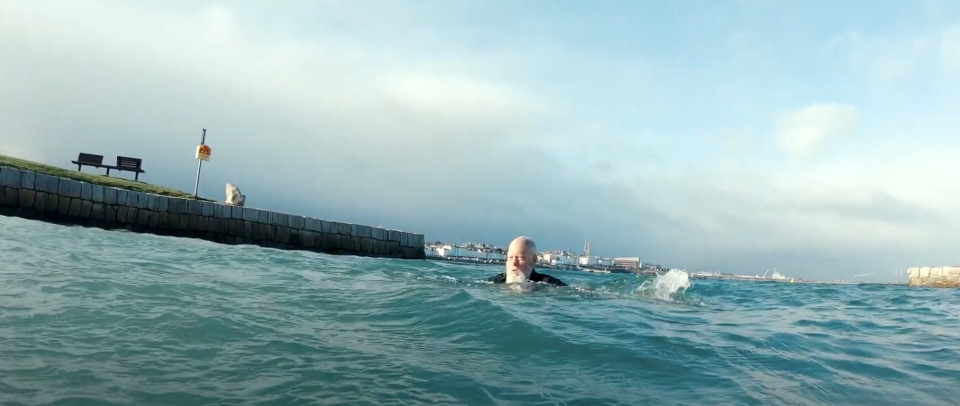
(521, 257)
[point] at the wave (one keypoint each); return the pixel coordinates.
(136, 319)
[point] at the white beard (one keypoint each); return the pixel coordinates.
(519, 277)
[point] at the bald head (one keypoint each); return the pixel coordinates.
(521, 257)
(524, 242)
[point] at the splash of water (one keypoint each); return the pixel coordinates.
(669, 287)
(666, 287)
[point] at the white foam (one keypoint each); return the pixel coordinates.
(665, 287)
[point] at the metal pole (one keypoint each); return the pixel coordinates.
(196, 188)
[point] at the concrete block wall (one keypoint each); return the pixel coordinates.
(935, 276)
(60, 200)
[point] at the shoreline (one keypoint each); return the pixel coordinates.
(52, 199)
(691, 276)
(501, 263)
(94, 178)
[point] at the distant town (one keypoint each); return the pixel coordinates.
(555, 259)
(482, 253)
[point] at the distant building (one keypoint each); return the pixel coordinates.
(449, 251)
(469, 252)
(494, 255)
(630, 263)
(566, 259)
(557, 258)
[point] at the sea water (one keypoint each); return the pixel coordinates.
(94, 317)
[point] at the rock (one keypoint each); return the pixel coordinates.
(195, 207)
(69, 188)
(52, 203)
(27, 198)
(98, 211)
(133, 200)
(176, 205)
(296, 222)
(10, 177)
(96, 193)
(86, 191)
(234, 197)
(250, 214)
(109, 196)
(40, 202)
(221, 211)
(208, 209)
(11, 197)
(52, 185)
(153, 203)
(86, 209)
(28, 180)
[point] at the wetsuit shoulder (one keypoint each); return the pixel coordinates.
(553, 281)
(542, 277)
(501, 278)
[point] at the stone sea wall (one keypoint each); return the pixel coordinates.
(59, 200)
(935, 276)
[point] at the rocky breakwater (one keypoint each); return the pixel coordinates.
(65, 201)
(935, 276)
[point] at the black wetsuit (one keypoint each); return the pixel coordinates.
(534, 277)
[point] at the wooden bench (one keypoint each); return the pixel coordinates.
(130, 165)
(123, 164)
(90, 160)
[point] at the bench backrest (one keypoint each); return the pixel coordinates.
(90, 158)
(128, 163)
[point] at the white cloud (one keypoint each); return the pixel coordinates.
(893, 62)
(950, 47)
(805, 130)
(886, 61)
(455, 141)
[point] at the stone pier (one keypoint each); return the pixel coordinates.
(935, 276)
(65, 201)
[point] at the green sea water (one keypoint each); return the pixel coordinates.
(94, 317)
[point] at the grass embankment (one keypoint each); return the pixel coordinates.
(95, 179)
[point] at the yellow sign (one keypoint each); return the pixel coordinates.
(203, 152)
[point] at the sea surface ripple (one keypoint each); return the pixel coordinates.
(94, 317)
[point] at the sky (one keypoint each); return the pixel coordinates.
(815, 137)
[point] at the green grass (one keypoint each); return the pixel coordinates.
(102, 180)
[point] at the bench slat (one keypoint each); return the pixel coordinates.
(129, 163)
(90, 159)
(123, 163)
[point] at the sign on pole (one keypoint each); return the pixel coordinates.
(203, 154)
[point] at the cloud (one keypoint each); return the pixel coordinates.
(890, 60)
(317, 126)
(950, 47)
(894, 61)
(421, 118)
(803, 131)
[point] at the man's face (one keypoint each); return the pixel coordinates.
(520, 261)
